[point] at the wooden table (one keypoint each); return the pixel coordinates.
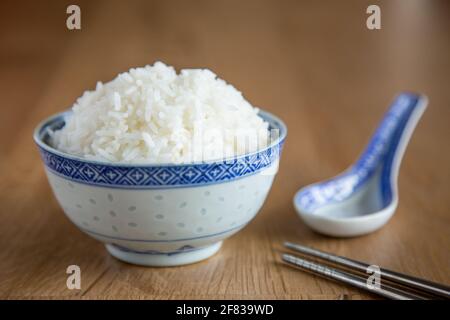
(315, 64)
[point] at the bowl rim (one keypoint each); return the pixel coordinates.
(38, 135)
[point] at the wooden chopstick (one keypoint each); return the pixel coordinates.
(420, 285)
(345, 277)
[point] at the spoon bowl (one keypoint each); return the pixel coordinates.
(365, 196)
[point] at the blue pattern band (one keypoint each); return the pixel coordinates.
(156, 176)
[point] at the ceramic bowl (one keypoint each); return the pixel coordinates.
(164, 214)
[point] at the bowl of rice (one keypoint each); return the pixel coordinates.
(161, 166)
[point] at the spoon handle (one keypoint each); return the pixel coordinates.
(389, 141)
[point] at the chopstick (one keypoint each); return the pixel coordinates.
(345, 277)
(421, 285)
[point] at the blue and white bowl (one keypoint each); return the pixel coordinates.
(164, 214)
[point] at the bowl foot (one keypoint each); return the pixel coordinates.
(163, 260)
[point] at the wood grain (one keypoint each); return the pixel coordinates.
(314, 64)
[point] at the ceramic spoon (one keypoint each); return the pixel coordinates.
(364, 197)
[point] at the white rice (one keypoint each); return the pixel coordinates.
(154, 115)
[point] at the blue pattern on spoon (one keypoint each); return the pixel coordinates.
(380, 159)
